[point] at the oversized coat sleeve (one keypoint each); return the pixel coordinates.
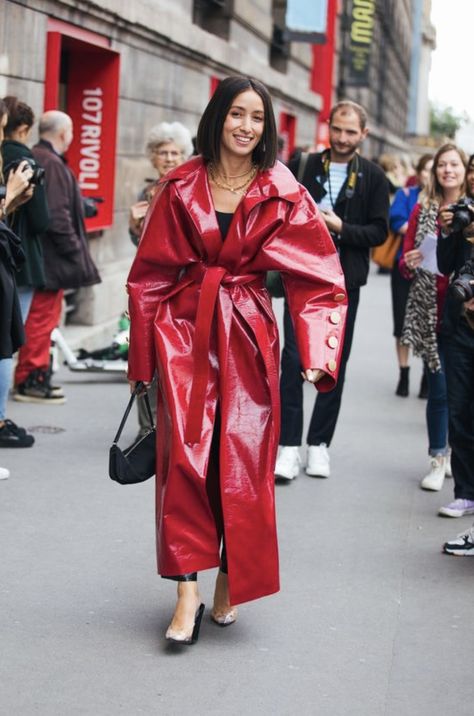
(303, 251)
(161, 254)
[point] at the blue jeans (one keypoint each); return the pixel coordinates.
(25, 294)
(437, 408)
(6, 370)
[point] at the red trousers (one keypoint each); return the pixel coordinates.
(44, 316)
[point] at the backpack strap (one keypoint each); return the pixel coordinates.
(302, 166)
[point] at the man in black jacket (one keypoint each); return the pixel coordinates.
(353, 196)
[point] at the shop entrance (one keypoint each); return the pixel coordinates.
(82, 79)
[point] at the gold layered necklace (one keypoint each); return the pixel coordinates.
(224, 184)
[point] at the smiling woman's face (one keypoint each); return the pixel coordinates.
(450, 170)
(243, 126)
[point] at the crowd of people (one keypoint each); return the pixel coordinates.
(199, 308)
(44, 251)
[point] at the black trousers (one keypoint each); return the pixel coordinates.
(459, 356)
(327, 405)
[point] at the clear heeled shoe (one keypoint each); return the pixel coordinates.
(179, 636)
(226, 619)
(227, 615)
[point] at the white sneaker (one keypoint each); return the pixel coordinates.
(317, 464)
(435, 478)
(288, 462)
(4, 473)
(448, 471)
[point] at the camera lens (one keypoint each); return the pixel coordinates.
(462, 289)
(461, 219)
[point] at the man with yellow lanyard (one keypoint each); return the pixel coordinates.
(353, 196)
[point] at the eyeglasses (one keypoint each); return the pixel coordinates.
(163, 154)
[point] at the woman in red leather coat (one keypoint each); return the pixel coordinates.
(202, 318)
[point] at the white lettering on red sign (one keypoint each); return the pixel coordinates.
(91, 130)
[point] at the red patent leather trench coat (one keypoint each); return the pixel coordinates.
(202, 318)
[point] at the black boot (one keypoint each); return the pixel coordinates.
(423, 394)
(403, 386)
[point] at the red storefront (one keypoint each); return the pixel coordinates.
(82, 79)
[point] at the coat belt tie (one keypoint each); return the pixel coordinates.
(210, 278)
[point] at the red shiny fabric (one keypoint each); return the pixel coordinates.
(202, 318)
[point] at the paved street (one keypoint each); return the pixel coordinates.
(371, 620)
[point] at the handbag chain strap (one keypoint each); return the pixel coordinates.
(139, 387)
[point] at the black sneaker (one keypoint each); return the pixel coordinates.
(462, 545)
(14, 427)
(47, 377)
(36, 389)
(14, 437)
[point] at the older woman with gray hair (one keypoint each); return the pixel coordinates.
(168, 145)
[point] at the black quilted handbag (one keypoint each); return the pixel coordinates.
(136, 463)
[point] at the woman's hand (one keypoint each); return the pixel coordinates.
(413, 259)
(133, 385)
(137, 214)
(18, 189)
(445, 218)
(312, 375)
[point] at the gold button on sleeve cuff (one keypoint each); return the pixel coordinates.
(333, 342)
(335, 317)
(339, 296)
(332, 365)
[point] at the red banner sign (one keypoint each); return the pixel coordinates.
(82, 78)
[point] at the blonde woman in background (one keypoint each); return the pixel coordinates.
(426, 299)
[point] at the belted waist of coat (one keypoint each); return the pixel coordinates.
(211, 278)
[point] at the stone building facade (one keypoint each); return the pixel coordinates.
(169, 53)
(395, 38)
(142, 62)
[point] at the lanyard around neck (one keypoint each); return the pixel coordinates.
(352, 171)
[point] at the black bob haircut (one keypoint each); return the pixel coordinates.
(209, 132)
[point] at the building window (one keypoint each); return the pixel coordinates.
(279, 47)
(214, 16)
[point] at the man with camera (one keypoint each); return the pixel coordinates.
(455, 254)
(67, 261)
(352, 194)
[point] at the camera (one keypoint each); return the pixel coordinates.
(89, 204)
(38, 172)
(462, 288)
(462, 216)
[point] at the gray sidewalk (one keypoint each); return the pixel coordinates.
(371, 619)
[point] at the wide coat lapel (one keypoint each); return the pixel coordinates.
(193, 187)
